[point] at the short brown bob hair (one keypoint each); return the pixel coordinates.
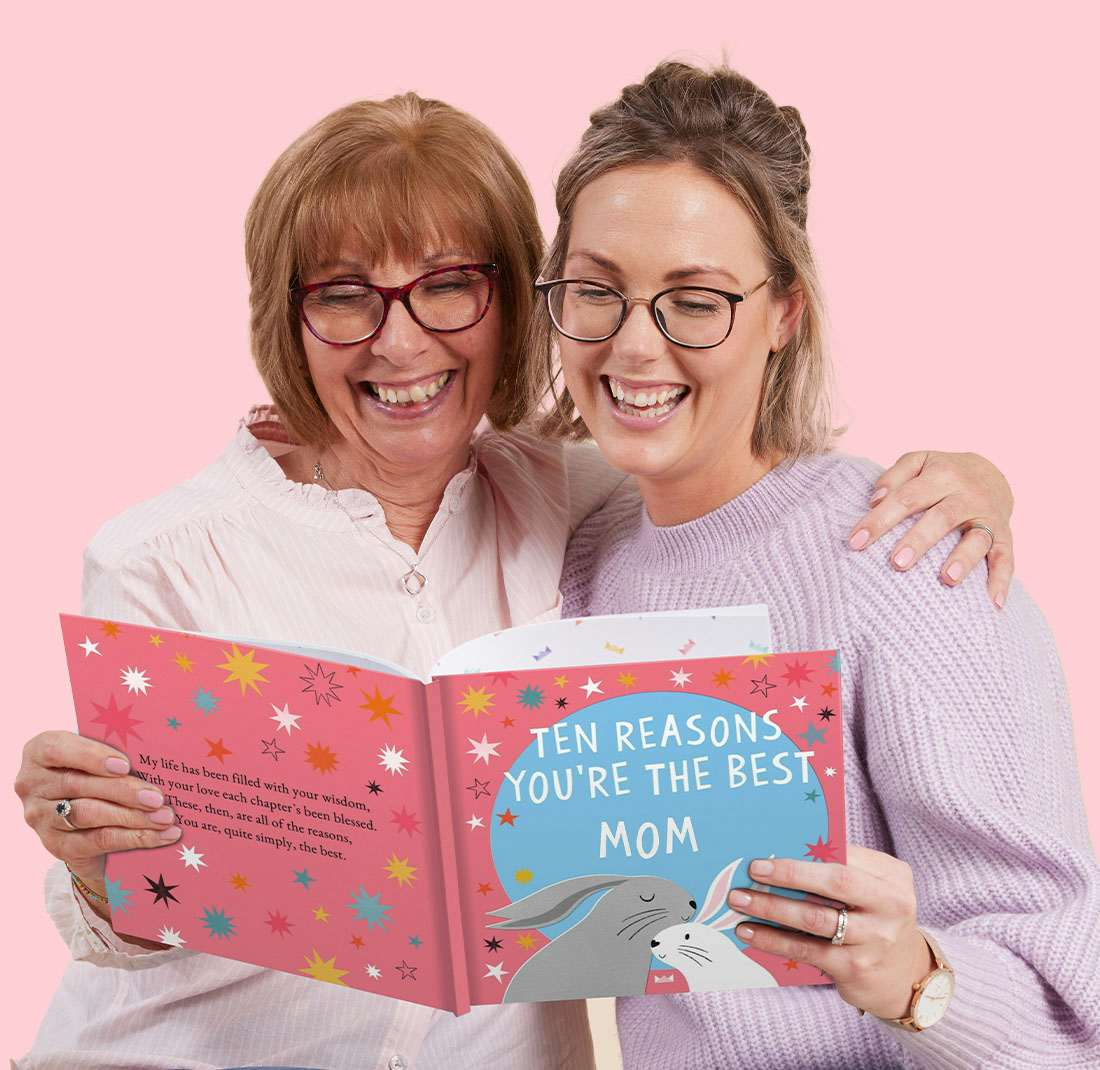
(403, 176)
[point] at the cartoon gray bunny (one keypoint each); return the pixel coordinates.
(607, 953)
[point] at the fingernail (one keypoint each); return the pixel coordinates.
(879, 495)
(999, 599)
(149, 797)
(904, 557)
(762, 867)
(116, 765)
(955, 571)
(162, 817)
(859, 539)
(174, 833)
(745, 932)
(739, 899)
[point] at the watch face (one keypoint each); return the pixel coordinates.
(933, 1000)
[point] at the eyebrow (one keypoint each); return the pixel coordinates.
(686, 272)
(357, 267)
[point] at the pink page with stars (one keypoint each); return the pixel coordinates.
(307, 796)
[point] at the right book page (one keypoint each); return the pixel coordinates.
(603, 812)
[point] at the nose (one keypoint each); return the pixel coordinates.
(401, 340)
(654, 943)
(691, 903)
(638, 340)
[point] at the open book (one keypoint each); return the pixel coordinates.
(558, 812)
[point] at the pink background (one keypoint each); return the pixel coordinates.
(952, 212)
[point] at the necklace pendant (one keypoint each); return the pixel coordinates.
(413, 582)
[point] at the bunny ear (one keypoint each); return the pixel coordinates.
(552, 903)
(728, 921)
(719, 889)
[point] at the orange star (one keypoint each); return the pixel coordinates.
(828, 689)
(354, 671)
(507, 722)
(109, 628)
(218, 750)
(722, 678)
(791, 964)
(357, 940)
(526, 941)
(626, 679)
(239, 881)
(484, 889)
(508, 818)
(380, 706)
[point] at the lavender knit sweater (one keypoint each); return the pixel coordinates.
(958, 758)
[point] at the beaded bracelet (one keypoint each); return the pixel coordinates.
(94, 896)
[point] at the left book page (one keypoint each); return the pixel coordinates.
(306, 795)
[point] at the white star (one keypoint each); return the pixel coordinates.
(171, 936)
(89, 647)
(372, 970)
(800, 703)
(190, 857)
(135, 680)
(593, 686)
(483, 750)
(830, 771)
(498, 971)
(392, 760)
(475, 822)
(286, 719)
(680, 677)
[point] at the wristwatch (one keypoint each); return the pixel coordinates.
(930, 995)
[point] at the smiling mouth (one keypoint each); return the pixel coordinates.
(406, 395)
(648, 401)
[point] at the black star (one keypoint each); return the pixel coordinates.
(271, 746)
(562, 703)
(492, 945)
(478, 787)
(762, 686)
(161, 890)
(408, 973)
(374, 787)
(826, 714)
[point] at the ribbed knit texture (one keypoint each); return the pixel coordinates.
(959, 759)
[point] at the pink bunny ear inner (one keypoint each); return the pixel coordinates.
(719, 889)
(728, 921)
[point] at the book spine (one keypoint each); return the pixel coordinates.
(460, 980)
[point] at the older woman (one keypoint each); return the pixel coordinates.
(391, 252)
(683, 288)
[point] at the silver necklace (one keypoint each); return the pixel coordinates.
(414, 581)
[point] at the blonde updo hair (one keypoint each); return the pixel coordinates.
(720, 122)
(400, 177)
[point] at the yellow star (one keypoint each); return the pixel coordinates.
(184, 662)
(722, 678)
(320, 914)
(239, 881)
(399, 870)
(525, 941)
(155, 640)
(380, 706)
(626, 679)
(109, 628)
(476, 701)
(561, 681)
(243, 669)
(756, 660)
(324, 969)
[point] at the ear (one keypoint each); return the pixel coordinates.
(786, 315)
(719, 889)
(552, 903)
(728, 921)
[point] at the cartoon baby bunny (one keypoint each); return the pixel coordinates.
(607, 953)
(709, 960)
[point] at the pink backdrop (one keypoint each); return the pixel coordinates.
(952, 211)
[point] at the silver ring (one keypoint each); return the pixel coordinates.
(841, 926)
(987, 530)
(63, 809)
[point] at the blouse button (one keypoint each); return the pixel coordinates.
(424, 614)
(397, 1062)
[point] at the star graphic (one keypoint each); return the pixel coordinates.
(160, 891)
(812, 796)
(408, 973)
(184, 662)
(242, 669)
(286, 719)
(173, 722)
(321, 685)
(171, 937)
(358, 941)
(830, 771)
(352, 670)
(508, 818)
(497, 972)
(415, 941)
(324, 969)
(136, 681)
(478, 787)
(392, 760)
(398, 869)
(374, 788)
(562, 702)
(762, 686)
(799, 704)
(191, 858)
(217, 750)
(820, 851)
(722, 678)
(155, 640)
(482, 749)
(790, 964)
(117, 721)
(484, 889)
(828, 689)
(498, 678)
(626, 679)
(561, 681)
(826, 713)
(279, 923)
(834, 665)
(380, 706)
(109, 628)
(679, 677)
(89, 647)
(796, 672)
(372, 971)
(320, 914)
(812, 735)
(756, 660)
(476, 700)
(271, 746)
(592, 687)
(239, 881)
(526, 941)
(405, 821)
(475, 822)
(507, 722)
(303, 878)
(492, 944)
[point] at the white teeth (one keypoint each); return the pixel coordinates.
(411, 395)
(417, 393)
(403, 396)
(644, 401)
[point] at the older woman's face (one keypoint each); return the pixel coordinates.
(444, 380)
(640, 230)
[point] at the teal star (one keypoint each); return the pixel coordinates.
(812, 735)
(415, 941)
(206, 700)
(118, 898)
(530, 697)
(174, 722)
(369, 908)
(812, 796)
(834, 665)
(303, 878)
(217, 922)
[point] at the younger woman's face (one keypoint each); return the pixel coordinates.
(640, 230)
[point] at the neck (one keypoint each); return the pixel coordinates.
(410, 499)
(676, 499)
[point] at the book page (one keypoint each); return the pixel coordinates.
(305, 790)
(602, 813)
